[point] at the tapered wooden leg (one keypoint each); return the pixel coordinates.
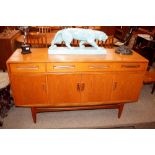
(33, 111)
(120, 109)
(153, 89)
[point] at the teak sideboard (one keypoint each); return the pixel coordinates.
(46, 82)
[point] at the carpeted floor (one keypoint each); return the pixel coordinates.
(146, 125)
(139, 114)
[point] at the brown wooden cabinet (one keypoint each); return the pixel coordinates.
(7, 46)
(70, 82)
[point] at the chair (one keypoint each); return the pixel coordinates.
(37, 40)
(145, 46)
(107, 44)
(5, 97)
(127, 37)
(64, 27)
(45, 29)
(150, 78)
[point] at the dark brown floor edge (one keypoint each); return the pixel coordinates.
(147, 125)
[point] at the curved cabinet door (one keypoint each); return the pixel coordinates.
(127, 86)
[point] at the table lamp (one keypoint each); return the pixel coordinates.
(25, 47)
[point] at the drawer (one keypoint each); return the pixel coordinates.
(63, 67)
(130, 66)
(28, 67)
(72, 67)
(98, 67)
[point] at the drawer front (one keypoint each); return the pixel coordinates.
(98, 67)
(72, 67)
(131, 66)
(63, 67)
(28, 67)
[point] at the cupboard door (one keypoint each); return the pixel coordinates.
(127, 86)
(29, 89)
(96, 87)
(63, 89)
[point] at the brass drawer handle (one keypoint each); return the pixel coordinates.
(130, 66)
(64, 67)
(27, 67)
(115, 85)
(80, 86)
(99, 67)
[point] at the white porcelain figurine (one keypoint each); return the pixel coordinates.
(83, 35)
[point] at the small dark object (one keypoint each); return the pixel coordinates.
(1, 123)
(123, 50)
(25, 49)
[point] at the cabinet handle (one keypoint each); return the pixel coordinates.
(78, 87)
(64, 67)
(28, 67)
(130, 66)
(115, 85)
(98, 67)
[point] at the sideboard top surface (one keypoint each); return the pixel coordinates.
(41, 55)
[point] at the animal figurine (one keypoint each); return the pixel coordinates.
(83, 35)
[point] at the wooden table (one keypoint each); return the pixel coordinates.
(46, 82)
(50, 37)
